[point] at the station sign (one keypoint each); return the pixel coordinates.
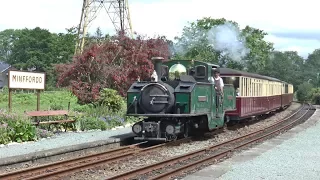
(26, 80)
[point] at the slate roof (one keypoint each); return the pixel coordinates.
(3, 66)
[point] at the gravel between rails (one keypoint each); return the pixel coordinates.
(167, 152)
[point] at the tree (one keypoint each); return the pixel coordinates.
(114, 64)
(304, 92)
(64, 44)
(287, 66)
(7, 37)
(259, 49)
(312, 68)
(222, 42)
(37, 48)
(96, 38)
(194, 42)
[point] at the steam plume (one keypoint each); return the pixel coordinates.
(225, 38)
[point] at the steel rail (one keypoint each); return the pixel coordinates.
(85, 162)
(223, 154)
(168, 162)
(114, 153)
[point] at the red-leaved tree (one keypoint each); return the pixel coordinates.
(114, 64)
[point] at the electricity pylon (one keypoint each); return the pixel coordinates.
(117, 10)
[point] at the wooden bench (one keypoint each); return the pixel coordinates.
(64, 122)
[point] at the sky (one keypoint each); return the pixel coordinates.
(291, 26)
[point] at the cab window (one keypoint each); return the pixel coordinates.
(200, 71)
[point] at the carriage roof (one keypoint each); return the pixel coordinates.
(229, 72)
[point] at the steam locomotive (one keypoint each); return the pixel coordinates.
(180, 102)
(183, 100)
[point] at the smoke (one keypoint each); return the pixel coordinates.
(225, 38)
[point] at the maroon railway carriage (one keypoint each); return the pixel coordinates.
(287, 94)
(256, 94)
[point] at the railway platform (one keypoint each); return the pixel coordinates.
(294, 154)
(60, 144)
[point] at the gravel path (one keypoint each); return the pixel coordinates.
(167, 152)
(295, 158)
(59, 140)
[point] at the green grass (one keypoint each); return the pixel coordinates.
(27, 101)
(90, 117)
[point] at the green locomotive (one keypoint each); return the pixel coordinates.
(180, 102)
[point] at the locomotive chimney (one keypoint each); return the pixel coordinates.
(157, 63)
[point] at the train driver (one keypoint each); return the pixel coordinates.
(218, 81)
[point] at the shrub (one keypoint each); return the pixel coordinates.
(316, 99)
(94, 118)
(304, 92)
(315, 96)
(88, 123)
(4, 135)
(111, 99)
(100, 117)
(114, 64)
(56, 106)
(22, 131)
(113, 120)
(16, 128)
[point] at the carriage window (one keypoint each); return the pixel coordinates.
(249, 87)
(254, 87)
(286, 89)
(245, 87)
(232, 80)
(200, 71)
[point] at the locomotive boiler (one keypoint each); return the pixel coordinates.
(178, 101)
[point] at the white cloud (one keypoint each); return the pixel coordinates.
(302, 46)
(168, 17)
(53, 15)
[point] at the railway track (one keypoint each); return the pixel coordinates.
(177, 165)
(62, 168)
